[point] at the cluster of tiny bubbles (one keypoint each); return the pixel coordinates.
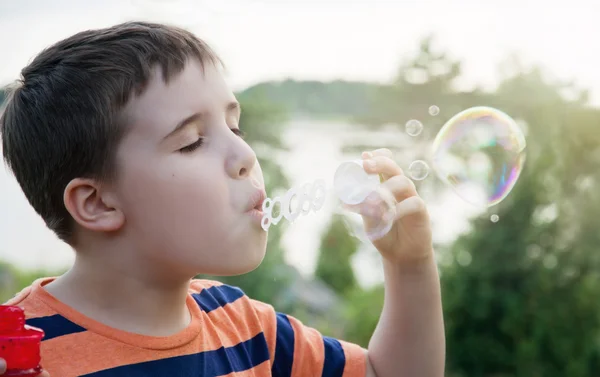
(480, 153)
(434, 110)
(494, 218)
(367, 207)
(418, 170)
(413, 127)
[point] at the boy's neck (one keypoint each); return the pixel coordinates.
(124, 299)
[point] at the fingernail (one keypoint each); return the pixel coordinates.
(367, 154)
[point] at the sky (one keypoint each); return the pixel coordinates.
(305, 39)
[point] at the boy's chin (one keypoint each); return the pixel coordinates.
(250, 265)
(240, 266)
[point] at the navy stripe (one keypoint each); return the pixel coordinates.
(54, 326)
(217, 296)
(335, 360)
(284, 348)
(243, 356)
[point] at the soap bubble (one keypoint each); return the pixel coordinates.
(352, 184)
(494, 218)
(434, 110)
(418, 170)
(377, 213)
(413, 127)
(369, 208)
(480, 153)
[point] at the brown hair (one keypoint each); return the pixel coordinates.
(64, 120)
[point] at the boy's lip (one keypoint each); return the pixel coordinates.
(256, 201)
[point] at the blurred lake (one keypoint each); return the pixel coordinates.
(315, 149)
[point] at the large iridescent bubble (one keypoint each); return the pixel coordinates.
(480, 153)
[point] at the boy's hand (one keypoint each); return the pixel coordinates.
(3, 369)
(409, 239)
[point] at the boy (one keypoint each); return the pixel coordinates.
(125, 140)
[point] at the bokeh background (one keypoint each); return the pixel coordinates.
(319, 81)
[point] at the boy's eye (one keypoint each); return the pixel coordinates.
(192, 147)
(198, 143)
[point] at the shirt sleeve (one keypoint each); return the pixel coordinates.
(297, 350)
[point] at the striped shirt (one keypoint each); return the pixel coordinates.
(229, 335)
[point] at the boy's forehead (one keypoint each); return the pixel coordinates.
(164, 103)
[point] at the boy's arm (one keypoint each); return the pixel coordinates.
(409, 338)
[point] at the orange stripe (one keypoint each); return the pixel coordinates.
(34, 308)
(197, 285)
(87, 352)
(235, 322)
(309, 350)
(266, 316)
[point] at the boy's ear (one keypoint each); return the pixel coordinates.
(92, 208)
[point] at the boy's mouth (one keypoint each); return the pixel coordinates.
(256, 201)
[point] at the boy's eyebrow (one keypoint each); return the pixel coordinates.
(192, 118)
(231, 106)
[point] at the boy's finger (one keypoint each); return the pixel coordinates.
(44, 374)
(411, 207)
(2, 366)
(382, 165)
(378, 152)
(401, 187)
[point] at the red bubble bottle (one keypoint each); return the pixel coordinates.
(19, 343)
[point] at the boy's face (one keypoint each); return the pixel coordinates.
(188, 183)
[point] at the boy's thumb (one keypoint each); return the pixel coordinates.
(2, 366)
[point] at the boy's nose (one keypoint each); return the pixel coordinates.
(241, 161)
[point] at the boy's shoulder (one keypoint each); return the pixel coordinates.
(210, 295)
(32, 305)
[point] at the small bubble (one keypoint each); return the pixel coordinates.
(464, 258)
(418, 170)
(434, 110)
(494, 218)
(414, 127)
(534, 251)
(550, 261)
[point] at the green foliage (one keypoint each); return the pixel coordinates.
(336, 99)
(362, 314)
(519, 298)
(334, 265)
(13, 280)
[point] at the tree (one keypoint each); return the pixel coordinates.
(426, 78)
(519, 296)
(334, 266)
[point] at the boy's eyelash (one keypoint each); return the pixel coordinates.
(192, 147)
(198, 143)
